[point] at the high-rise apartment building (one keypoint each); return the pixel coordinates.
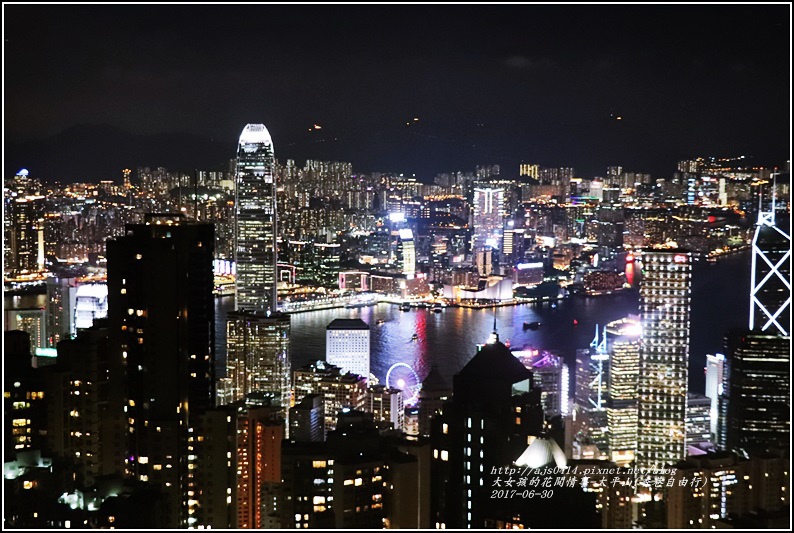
(347, 342)
(665, 296)
(161, 324)
(255, 209)
(340, 390)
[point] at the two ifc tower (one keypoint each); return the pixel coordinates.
(257, 335)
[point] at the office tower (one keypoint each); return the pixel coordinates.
(486, 424)
(257, 356)
(622, 394)
(434, 393)
(31, 320)
(698, 422)
(24, 235)
(161, 323)
(590, 396)
(307, 419)
(90, 304)
(732, 489)
(715, 383)
(408, 253)
(255, 209)
(770, 290)
(488, 218)
(387, 407)
(665, 296)
(347, 345)
(356, 479)
(61, 300)
(339, 390)
(758, 399)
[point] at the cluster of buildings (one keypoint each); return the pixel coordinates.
(127, 409)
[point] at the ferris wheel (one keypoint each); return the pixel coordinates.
(402, 376)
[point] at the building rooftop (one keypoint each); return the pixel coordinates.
(495, 362)
(348, 323)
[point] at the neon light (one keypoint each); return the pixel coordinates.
(679, 258)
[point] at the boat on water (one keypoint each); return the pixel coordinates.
(405, 307)
(532, 325)
(415, 337)
(380, 322)
(437, 308)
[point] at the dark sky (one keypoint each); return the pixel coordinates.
(490, 84)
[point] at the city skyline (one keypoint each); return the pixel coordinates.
(579, 86)
(397, 332)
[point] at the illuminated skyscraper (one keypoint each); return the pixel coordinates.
(255, 209)
(622, 403)
(665, 296)
(257, 339)
(347, 345)
(488, 218)
(759, 397)
(715, 381)
(257, 357)
(770, 296)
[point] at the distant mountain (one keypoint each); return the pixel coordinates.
(94, 152)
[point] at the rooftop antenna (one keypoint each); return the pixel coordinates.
(195, 194)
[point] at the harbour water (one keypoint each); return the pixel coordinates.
(720, 300)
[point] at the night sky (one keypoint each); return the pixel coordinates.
(489, 84)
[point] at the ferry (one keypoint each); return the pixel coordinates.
(380, 322)
(405, 307)
(437, 308)
(415, 337)
(532, 325)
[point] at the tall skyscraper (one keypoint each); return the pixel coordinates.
(623, 379)
(258, 356)
(665, 296)
(347, 345)
(759, 398)
(770, 296)
(257, 339)
(488, 218)
(161, 317)
(255, 209)
(715, 383)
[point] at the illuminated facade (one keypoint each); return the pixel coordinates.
(488, 218)
(347, 345)
(770, 296)
(758, 415)
(255, 209)
(622, 404)
(715, 386)
(665, 296)
(257, 357)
